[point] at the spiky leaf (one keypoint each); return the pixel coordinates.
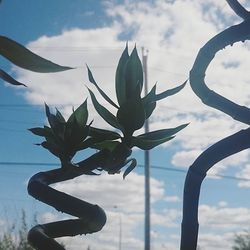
(149, 104)
(24, 58)
(147, 144)
(152, 139)
(169, 92)
(130, 167)
(92, 80)
(59, 116)
(108, 144)
(103, 112)
(120, 83)
(103, 134)
(133, 75)
(46, 131)
(80, 115)
(57, 126)
(6, 77)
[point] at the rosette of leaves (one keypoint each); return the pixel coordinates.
(132, 110)
(64, 138)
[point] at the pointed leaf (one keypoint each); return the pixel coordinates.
(120, 84)
(103, 112)
(147, 144)
(150, 97)
(6, 77)
(103, 134)
(108, 144)
(80, 114)
(152, 139)
(92, 80)
(130, 167)
(149, 103)
(59, 116)
(40, 131)
(57, 126)
(170, 92)
(133, 75)
(24, 58)
(162, 133)
(54, 149)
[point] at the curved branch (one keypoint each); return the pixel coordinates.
(91, 217)
(196, 174)
(238, 9)
(240, 32)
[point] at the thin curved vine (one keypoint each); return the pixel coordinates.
(225, 147)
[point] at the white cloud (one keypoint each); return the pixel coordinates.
(244, 174)
(223, 217)
(173, 198)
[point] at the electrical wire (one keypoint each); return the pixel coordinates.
(47, 164)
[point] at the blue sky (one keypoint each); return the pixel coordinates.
(95, 32)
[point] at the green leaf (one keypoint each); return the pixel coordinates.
(103, 112)
(147, 144)
(53, 148)
(80, 114)
(169, 92)
(108, 144)
(6, 77)
(133, 75)
(89, 142)
(24, 58)
(59, 116)
(92, 80)
(103, 134)
(57, 126)
(158, 134)
(131, 115)
(130, 167)
(120, 83)
(75, 133)
(40, 131)
(152, 139)
(149, 103)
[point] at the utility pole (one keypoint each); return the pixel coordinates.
(146, 160)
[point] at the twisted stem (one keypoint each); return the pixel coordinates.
(91, 218)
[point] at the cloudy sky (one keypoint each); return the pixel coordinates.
(95, 32)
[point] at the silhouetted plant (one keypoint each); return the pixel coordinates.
(64, 138)
(227, 146)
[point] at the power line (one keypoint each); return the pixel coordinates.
(48, 164)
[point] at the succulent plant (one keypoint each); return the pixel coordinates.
(64, 138)
(132, 111)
